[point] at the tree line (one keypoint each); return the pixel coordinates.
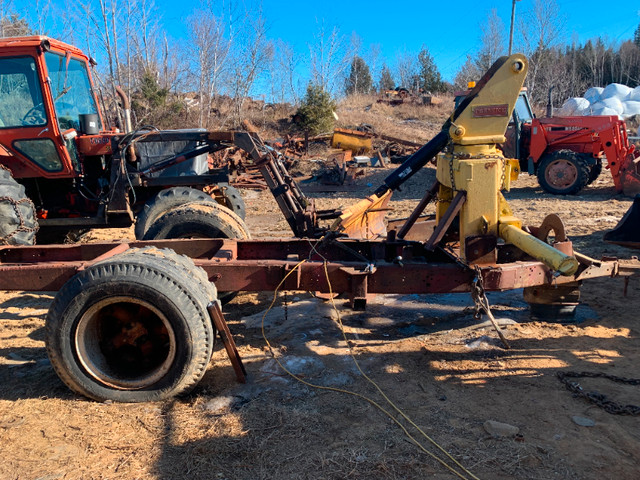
(228, 55)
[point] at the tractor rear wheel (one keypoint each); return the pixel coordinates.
(232, 199)
(164, 201)
(18, 224)
(563, 173)
(198, 220)
(133, 328)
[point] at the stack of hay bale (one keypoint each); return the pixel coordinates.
(614, 99)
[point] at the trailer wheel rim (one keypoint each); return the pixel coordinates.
(125, 343)
(561, 173)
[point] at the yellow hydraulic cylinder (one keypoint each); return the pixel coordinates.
(553, 258)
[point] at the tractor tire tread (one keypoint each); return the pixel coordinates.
(581, 165)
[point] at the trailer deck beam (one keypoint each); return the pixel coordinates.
(354, 267)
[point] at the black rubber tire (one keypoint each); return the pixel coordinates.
(233, 201)
(133, 328)
(164, 201)
(204, 220)
(594, 172)
(572, 163)
(198, 220)
(18, 223)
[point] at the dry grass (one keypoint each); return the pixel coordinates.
(410, 121)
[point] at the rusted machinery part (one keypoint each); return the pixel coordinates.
(551, 223)
(553, 302)
(132, 328)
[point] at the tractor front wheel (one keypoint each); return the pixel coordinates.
(595, 172)
(563, 173)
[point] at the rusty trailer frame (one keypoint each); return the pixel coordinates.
(354, 267)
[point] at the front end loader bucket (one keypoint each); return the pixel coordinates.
(630, 173)
(627, 232)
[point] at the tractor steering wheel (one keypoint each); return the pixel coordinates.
(35, 115)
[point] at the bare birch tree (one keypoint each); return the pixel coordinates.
(210, 47)
(252, 60)
(283, 74)
(407, 70)
(541, 30)
(329, 57)
(492, 41)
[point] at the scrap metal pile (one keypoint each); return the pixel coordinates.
(330, 159)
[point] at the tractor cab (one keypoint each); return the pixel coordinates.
(46, 100)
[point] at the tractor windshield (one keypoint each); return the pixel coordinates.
(71, 89)
(20, 94)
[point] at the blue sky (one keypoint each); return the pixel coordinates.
(450, 30)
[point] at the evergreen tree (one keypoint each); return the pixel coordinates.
(636, 36)
(386, 80)
(359, 79)
(316, 112)
(429, 78)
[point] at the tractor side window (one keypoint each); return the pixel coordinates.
(42, 152)
(71, 89)
(523, 110)
(21, 102)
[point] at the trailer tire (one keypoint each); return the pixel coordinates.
(133, 328)
(18, 223)
(563, 173)
(164, 201)
(594, 172)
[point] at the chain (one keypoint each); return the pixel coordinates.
(478, 294)
(286, 308)
(23, 227)
(481, 303)
(479, 156)
(597, 398)
(451, 176)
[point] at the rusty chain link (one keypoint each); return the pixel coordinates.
(598, 398)
(23, 227)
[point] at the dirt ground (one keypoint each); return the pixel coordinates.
(443, 369)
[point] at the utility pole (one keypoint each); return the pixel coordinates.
(513, 18)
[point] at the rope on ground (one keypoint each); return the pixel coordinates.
(465, 476)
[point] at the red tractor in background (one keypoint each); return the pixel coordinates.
(82, 174)
(568, 153)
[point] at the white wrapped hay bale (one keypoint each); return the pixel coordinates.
(630, 108)
(615, 90)
(601, 109)
(574, 106)
(634, 96)
(593, 94)
(612, 104)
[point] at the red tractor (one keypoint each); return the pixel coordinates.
(81, 173)
(568, 153)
